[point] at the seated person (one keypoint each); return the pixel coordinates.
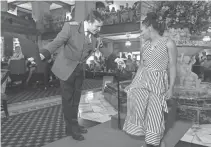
(48, 74)
(207, 68)
(17, 55)
(31, 67)
(129, 64)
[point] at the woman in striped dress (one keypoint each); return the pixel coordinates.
(149, 90)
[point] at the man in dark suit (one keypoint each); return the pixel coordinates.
(79, 41)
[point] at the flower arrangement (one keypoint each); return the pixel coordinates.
(194, 15)
(32, 61)
(120, 62)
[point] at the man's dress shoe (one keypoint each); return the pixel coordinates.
(82, 129)
(76, 136)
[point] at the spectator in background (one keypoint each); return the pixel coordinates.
(100, 7)
(129, 64)
(207, 68)
(203, 60)
(110, 64)
(107, 9)
(203, 57)
(121, 8)
(127, 7)
(113, 10)
(17, 54)
(196, 66)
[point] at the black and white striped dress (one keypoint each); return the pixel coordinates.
(146, 95)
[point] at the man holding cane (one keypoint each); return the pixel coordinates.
(80, 41)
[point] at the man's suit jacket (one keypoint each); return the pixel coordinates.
(72, 36)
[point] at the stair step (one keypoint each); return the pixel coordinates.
(114, 121)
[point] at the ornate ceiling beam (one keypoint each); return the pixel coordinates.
(63, 4)
(18, 2)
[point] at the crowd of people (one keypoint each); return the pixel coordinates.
(110, 15)
(125, 14)
(101, 64)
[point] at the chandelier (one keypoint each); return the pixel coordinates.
(128, 43)
(206, 38)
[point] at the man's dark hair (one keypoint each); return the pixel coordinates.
(94, 15)
(99, 5)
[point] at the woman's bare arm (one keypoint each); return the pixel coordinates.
(173, 53)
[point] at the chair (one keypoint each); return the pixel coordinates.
(17, 67)
(17, 70)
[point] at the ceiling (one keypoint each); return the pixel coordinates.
(59, 3)
(27, 5)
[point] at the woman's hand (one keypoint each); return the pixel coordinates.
(127, 89)
(169, 94)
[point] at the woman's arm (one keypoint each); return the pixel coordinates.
(173, 53)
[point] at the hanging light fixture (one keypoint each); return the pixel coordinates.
(206, 38)
(128, 43)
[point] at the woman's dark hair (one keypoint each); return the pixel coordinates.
(152, 20)
(94, 15)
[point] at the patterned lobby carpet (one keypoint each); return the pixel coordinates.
(36, 128)
(37, 122)
(33, 128)
(31, 94)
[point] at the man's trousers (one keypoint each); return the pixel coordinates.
(71, 94)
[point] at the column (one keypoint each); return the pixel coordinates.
(82, 9)
(141, 40)
(39, 10)
(4, 6)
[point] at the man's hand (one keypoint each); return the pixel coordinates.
(100, 42)
(42, 57)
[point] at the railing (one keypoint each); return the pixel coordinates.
(124, 16)
(110, 18)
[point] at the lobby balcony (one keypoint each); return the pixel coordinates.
(12, 23)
